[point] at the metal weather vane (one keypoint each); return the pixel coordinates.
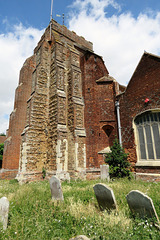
(63, 17)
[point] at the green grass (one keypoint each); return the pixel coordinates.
(33, 215)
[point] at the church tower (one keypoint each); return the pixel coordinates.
(63, 116)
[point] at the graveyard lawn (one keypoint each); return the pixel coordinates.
(34, 215)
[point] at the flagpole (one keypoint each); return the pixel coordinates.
(51, 18)
(51, 9)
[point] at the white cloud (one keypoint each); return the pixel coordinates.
(15, 47)
(94, 8)
(120, 39)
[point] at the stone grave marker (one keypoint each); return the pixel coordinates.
(4, 210)
(104, 172)
(56, 190)
(105, 197)
(141, 205)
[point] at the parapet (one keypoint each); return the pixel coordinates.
(71, 35)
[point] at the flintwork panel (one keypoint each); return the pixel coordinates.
(77, 88)
(75, 59)
(60, 78)
(81, 151)
(62, 110)
(79, 116)
(59, 52)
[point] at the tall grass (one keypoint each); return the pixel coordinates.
(33, 215)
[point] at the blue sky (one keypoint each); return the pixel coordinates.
(120, 31)
(36, 13)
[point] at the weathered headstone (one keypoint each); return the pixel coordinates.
(104, 172)
(80, 237)
(4, 210)
(105, 197)
(141, 205)
(56, 190)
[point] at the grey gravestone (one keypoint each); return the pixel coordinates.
(105, 197)
(80, 237)
(56, 190)
(104, 172)
(141, 205)
(4, 210)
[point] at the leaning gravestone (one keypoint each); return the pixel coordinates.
(141, 205)
(56, 190)
(105, 197)
(4, 210)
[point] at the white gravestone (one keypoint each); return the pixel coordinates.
(56, 190)
(141, 205)
(4, 210)
(80, 237)
(104, 172)
(105, 197)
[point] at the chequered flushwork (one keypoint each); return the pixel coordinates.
(127, 135)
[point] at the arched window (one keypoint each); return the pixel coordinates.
(148, 132)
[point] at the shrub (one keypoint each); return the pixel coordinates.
(1, 151)
(117, 160)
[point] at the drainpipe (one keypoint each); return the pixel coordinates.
(119, 122)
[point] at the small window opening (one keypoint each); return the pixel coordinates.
(108, 129)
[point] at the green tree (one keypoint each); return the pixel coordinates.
(117, 159)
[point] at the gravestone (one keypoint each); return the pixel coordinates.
(141, 205)
(56, 190)
(104, 172)
(105, 197)
(80, 237)
(4, 210)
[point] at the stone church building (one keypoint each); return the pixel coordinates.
(68, 110)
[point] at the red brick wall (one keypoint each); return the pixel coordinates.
(99, 108)
(145, 83)
(2, 139)
(18, 118)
